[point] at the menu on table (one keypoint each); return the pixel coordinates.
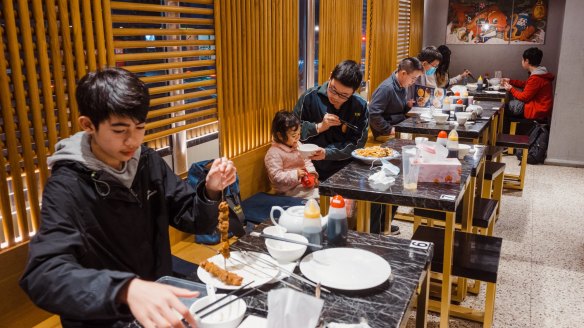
(429, 97)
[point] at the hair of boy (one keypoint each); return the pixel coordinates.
(533, 56)
(282, 122)
(348, 73)
(430, 54)
(445, 62)
(112, 91)
(410, 65)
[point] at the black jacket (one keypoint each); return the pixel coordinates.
(388, 106)
(96, 234)
(338, 145)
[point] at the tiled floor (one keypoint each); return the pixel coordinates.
(541, 273)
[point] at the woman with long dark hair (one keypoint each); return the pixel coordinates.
(443, 79)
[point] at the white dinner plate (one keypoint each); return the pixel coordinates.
(346, 268)
(246, 266)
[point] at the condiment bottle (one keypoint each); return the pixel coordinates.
(337, 226)
(446, 103)
(452, 144)
(480, 83)
(442, 138)
(311, 226)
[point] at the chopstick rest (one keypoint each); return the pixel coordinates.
(258, 234)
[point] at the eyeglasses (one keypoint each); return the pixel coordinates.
(336, 93)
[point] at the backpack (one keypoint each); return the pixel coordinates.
(538, 143)
(198, 172)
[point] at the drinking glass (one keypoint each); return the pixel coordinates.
(498, 74)
(411, 167)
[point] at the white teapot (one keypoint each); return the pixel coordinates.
(291, 218)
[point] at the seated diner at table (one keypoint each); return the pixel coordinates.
(443, 79)
(430, 59)
(334, 118)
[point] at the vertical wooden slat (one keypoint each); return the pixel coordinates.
(99, 31)
(88, 29)
(6, 208)
(44, 66)
(69, 65)
(57, 61)
(109, 36)
(217, 10)
(10, 128)
(416, 27)
(77, 38)
(35, 110)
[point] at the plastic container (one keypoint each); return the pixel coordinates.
(442, 138)
(337, 226)
(311, 225)
(452, 144)
(186, 284)
(480, 83)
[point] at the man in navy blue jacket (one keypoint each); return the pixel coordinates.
(334, 118)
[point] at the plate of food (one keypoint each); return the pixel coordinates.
(231, 270)
(375, 154)
(237, 270)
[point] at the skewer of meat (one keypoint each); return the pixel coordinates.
(225, 276)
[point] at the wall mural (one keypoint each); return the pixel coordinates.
(496, 22)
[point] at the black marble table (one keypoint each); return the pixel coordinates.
(491, 95)
(387, 305)
(352, 182)
(470, 131)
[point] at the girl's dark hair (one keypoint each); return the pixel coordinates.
(445, 62)
(112, 91)
(283, 121)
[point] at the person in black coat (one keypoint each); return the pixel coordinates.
(105, 215)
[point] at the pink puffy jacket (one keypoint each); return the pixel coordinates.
(282, 163)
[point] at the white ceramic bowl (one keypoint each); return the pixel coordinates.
(494, 81)
(471, 86)
(229, 316)
(462, 117)
(496, 87)
(440, 117)
(463, 149)
(307, 150)
(286, 252)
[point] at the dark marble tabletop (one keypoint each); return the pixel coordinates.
(415, 125)
(383, 306)
(352, 182)
(483, 95)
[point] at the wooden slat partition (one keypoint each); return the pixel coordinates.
(339, 34)
(50, 44)
(416, 27)
(257, 51)
(180, 58)
(382, 38)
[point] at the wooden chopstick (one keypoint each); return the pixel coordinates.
(224, 304)
(223, 297)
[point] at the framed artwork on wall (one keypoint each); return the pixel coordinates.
(496, 22)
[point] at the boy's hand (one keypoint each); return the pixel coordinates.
(154, 304)
(221, 175)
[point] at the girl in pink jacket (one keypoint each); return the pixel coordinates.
(290, 174)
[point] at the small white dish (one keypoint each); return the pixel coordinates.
(227, 317)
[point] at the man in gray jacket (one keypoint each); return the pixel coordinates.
(388, 104)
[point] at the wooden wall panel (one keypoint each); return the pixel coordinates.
(257, 63)
(339, 34)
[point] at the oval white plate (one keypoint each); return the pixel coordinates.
(250, 269)
(346, 268)
(377, 160)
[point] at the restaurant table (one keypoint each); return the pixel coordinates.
(387, 305)
(477, 131)
(499, 96)
(352, 182)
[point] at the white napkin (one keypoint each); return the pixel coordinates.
(288, 308)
